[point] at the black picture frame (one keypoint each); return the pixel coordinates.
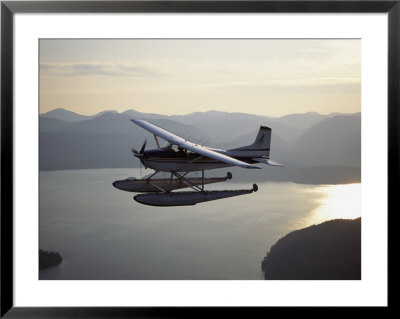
(9, 8)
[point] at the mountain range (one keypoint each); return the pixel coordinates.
(315, 148)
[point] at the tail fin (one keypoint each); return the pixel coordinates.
(261, 145)
(263, 139)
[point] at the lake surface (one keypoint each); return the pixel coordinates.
(102, 233)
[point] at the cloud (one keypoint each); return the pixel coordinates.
(96, 69)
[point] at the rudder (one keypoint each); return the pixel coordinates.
(260, 146)
(263, 139)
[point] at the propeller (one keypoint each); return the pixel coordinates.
(143, 147)
(139, 154)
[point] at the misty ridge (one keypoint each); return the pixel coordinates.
(314, 148)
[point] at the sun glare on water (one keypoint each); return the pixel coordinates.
(337, 201)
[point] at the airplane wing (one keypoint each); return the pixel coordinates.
(181, 142)
(267, 161)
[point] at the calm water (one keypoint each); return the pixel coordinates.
(102, 233)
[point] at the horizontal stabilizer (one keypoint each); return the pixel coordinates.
(267, 161)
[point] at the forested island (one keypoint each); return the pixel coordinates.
(328, 251)
(49, 259)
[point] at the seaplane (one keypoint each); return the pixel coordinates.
(179, 157)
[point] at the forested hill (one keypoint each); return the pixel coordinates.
(331, 250)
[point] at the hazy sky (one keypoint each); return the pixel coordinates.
(266, 77)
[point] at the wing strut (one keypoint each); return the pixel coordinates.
(157, 142)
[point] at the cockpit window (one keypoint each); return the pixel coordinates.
(179, 150)
(173, 147)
